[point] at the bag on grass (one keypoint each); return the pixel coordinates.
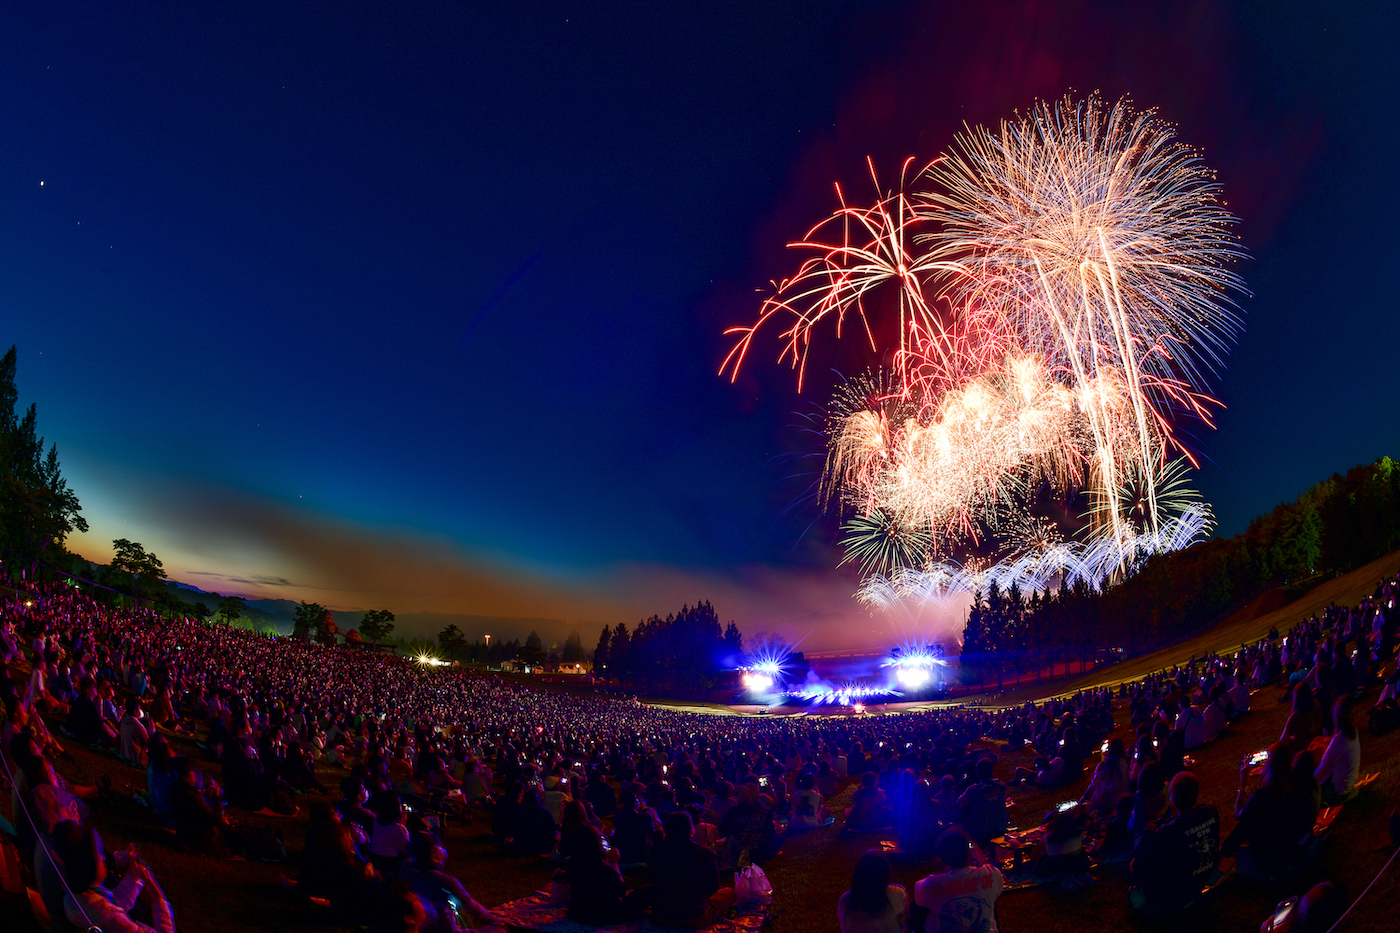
(751, 886)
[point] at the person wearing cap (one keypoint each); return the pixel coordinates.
(962, 898)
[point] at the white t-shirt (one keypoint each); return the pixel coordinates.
(961, 901)
(890, 920)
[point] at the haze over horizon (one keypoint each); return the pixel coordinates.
(425, 312)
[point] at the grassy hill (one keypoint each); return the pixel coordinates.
(1248, 624)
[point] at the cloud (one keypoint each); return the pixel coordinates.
(261, 547)
(251, 581)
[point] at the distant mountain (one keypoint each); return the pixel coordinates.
(281, 612)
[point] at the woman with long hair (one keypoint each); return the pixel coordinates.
(1341, 763)
(873, 905)
(1274, 821)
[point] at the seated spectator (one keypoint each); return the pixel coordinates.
(1117, 842)
(1193, 726)
(572, 821)
(685, 879)
(748, 827)
(634, 825)
(160, 780)
(721, 803)
(982, 807)
(807, 810)
(1239, 693)
(533, 831)
(1150, 801)
(1274, 823)
(198, 814)
(868, 809)
(873, 905)
(389, 837)
(945, 800)
(85, 722)
(963, 896)
(444, 899)
(1217, 713)
(135, 738)
(1110, 780)
(1064, 856)
(1175, 858)
(1340, 767)
(92, 905)
(597, 893)
(332, 868)
(351, 806)
(49, 811)
(600, 795)
(922, 822)
(827, 783)
(1304, 722)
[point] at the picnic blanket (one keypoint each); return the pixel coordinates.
(534, 913)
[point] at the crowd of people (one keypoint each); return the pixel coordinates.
(643, 809)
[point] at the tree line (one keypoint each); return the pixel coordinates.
(1335, 526)
(685, 653)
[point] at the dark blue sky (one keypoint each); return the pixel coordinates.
(422, 306)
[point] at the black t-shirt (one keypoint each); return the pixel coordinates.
(1173, 861)
(683, 877)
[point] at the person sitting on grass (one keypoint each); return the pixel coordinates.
(963, 896)
(1176, 858)
(115, 910)
(873, 905)
(1110, 780)
(135, 737)
(1340, 767)
(331, 867)
(1304, 721)
(597, 893)
(1064, 856)
(1117, 842)
(445, 901)
(1150, 801)
(1274, 822)
(868, 810)
(685, 879)
(634, 824)
(748, 826)
(532, 832)
(982, 807)
(807, 804)
(389, 836)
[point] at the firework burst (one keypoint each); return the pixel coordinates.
(1062, 294)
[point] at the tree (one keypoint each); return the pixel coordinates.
(573, 647)
(602, 655)
(533, 652)
(450, 640)
(308, 619)
(327, 630)
(200, 611)
(145, 567)
(733, 640)
(37, 509)
(231, 608)
(377, 624)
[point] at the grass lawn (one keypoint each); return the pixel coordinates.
(814, 869)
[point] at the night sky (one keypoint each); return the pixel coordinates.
(421, 307)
